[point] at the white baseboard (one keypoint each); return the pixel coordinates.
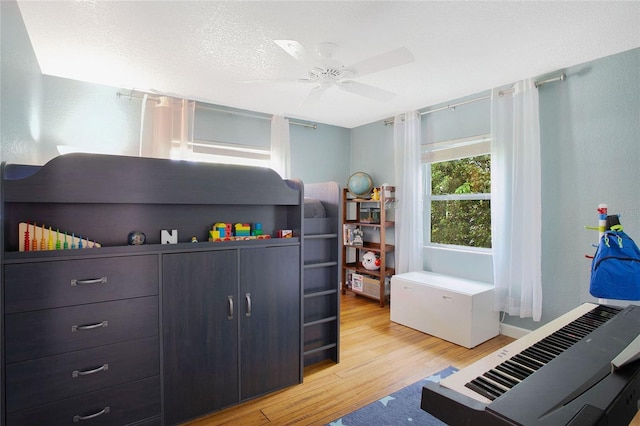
(513, 331)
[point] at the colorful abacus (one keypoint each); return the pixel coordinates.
(36, 238)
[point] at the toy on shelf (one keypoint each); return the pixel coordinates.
(371, 261)
(34, 237)
(285, 233)
(136, 238)
(375, 196)
(167, 237)
(238, 232)
(242, 230)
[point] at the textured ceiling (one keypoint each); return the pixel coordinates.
(203, 49)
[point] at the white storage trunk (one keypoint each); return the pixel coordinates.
(453, 309)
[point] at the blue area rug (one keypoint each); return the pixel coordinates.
(399, 408)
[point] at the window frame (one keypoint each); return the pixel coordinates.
(224, 153)
(449, 150)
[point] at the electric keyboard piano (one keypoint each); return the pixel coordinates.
(559, 374)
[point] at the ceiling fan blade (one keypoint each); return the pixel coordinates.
(381, 62)
(365, 90)
(314, 95)
(298, 52)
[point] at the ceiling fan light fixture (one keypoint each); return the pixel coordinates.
(325, 71)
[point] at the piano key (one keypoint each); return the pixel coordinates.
(490, 390)
(560, 341)
(539, 355)
(528, 362)
(585, 328)
(611, 310)
(568, 336)
(575, 330)
(501, 378)
(547, 346)
(510, 369)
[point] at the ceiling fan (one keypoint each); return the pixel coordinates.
(324, 71)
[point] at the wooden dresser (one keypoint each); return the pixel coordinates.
(155, 333)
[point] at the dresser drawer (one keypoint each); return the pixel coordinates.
(119, 405)
(55, 331)
(42, 285)
(44, 380)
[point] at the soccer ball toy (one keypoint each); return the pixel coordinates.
(371, 261)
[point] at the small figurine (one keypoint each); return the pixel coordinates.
(376, 195)
(194, 239)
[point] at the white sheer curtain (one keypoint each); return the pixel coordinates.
(516, 201)
(408, 175)
(166, 129)
(280, 146)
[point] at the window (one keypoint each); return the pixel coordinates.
(219, 152)
(230, 137)
(458, 192)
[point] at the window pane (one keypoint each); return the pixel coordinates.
(461, 222)
(465, 176)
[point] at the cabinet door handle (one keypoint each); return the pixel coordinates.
(102, 280)
(79, 418)
(248, 299)
(230, 310)
(78, 373)
(102, 324)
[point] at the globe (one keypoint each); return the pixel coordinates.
(359, 184)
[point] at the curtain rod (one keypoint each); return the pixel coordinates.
(157, 99)
(537, 84)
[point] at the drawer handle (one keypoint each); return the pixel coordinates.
(230, 311)
(248, 299)
(102, 280)
(102, 324)
(78, 373)
(79, 418)
(447, 298)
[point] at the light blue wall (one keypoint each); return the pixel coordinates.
(590, 153)
(590, 148)
(88, 116)
(20, 87)
(41, 112)
(320, 155)
(470, 119)
(372, 152)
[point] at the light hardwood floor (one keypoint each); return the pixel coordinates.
(377, 357)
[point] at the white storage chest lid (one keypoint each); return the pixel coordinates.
(457, 285)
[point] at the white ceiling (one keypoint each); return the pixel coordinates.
(203, 49)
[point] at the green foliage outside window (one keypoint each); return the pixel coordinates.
(460, 219)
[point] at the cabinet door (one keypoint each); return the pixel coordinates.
(270, 319)
(200, 330)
